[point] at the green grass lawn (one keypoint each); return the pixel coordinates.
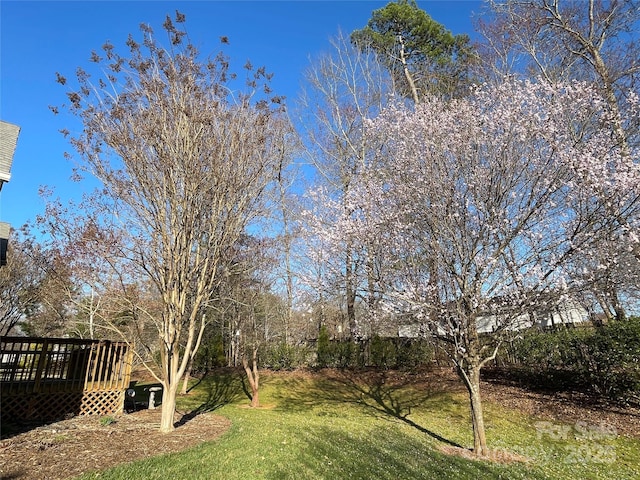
(341, 427)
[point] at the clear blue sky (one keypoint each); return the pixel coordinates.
(38, 39)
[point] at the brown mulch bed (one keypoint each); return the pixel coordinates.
(564, 407)
(82, 444)
(496, 456)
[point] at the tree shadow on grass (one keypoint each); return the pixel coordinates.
(380, 393)
(384, 396)
(202, 377)
(221, 389)
(387, 454)
(245, 388)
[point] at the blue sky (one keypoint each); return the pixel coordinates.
(38, 39)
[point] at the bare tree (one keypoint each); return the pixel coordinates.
(18, 289)
(185, 160)
(252, 310)
(287, 215)
(28, 294)
(343, 88)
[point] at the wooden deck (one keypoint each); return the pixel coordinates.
(51, 378)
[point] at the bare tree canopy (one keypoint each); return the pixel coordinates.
(342, 89)
(185, 157)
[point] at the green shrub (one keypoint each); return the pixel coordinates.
(383, 352)
(345, 354)
(604, 359)
(414, 353)
(338, 353)
(608, 359)
(211, 354)
(538, 348)
(324, 349)
(282, 356)
(379, 352)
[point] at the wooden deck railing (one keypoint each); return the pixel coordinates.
(87, 371)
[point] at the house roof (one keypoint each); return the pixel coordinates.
(8, 140)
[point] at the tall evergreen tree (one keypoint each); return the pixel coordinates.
(421, 54)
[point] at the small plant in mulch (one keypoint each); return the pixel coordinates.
(106, 421)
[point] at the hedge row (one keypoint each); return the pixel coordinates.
(603, 359)
(392, 353)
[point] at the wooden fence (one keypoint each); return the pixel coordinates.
(51, 378)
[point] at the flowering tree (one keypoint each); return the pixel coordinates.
(590, 40)
(185, 158)
(484, 202)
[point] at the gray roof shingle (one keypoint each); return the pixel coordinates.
(8, 140)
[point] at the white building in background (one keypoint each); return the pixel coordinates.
(8, 141)
(565, 312)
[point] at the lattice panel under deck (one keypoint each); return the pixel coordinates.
(53, 406)
(102, 403)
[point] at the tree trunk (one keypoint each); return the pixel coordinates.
(471, 379)
(477, 416)
(616, 304)
(350, 291)
(254, 377)
(168, 406)
(407, 74)
(192, 356)
(187, 376)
